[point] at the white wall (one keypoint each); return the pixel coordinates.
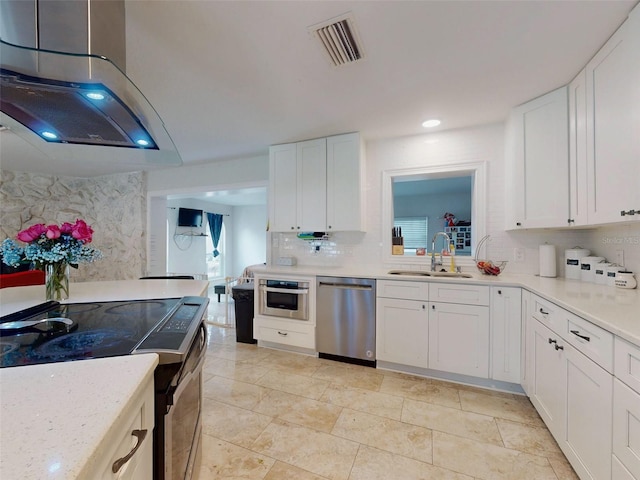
(249, 237)
(198, 178)
(186, 254)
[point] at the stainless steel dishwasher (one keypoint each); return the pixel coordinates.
(346, 319)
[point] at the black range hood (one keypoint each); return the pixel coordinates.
(63, 83)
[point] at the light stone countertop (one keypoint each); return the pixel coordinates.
(614, 309)
(54, 417)
(18, 298)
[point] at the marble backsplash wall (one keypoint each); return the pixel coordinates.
(114, 206)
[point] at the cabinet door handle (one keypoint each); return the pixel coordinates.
(424, 306)
(284, 334)
(570, 220)
(630, 212)
(518, 224)
(558, 347)
(433, 307)
(577, 334)
(118, 464)
(553, 341)
(543, 312)
(499, 292)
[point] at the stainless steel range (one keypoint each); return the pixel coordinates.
(172, 328)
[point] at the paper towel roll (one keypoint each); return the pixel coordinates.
(547, 260)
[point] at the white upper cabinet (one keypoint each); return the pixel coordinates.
(345, 185)
(312, 185)
(315, 186)
(578, 150)
(613, 127)
(283, 180)
(537, 159)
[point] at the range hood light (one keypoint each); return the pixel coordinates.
(95, 96)
(48, 135)
(142, 142)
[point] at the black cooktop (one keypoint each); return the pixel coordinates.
(81, 330)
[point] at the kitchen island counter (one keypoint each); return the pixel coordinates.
(55, 417)
(18, 298)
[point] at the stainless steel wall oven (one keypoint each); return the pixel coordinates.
(284, 299)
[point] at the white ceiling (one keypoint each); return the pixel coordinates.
(230, 78)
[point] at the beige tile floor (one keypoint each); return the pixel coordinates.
(269, 414)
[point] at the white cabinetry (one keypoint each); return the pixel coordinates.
(626, 412)
(459, 329)
(613, 116)
(345, 184)
(578, 204)
(506, 324)
(316, 185)
(130, 444)
(297, 186)
(567, 387)
(537, 159)
(459, 338)
(402, 322)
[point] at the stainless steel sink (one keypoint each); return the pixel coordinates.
(415, 273)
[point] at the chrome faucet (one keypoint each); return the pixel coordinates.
(434, 264)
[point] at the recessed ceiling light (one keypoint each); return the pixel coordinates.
(431, 123)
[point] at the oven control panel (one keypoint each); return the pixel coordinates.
(181, 319)
(173, 336)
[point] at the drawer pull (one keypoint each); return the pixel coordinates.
(543, 312)
(118, 464)
(553, 341)
(558, 347)
(284, 334)
(577, 334)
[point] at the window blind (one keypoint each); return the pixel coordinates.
(414, 231)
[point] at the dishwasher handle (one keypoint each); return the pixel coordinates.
(346, 286)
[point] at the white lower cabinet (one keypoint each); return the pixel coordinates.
(459, 339)
(129, 452)
(626, 412)
(420, 324)
(292, 333)
(506, 325)
(572, 394)
(402, 331)
(546, 376)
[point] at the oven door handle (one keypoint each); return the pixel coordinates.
(298, 291)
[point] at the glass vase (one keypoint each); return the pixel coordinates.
(57, 281)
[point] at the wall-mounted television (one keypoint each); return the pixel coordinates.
(188, 217)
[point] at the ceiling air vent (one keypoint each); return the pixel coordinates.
(339, 39)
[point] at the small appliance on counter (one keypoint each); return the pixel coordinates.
(572, 259)
(626, 279)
